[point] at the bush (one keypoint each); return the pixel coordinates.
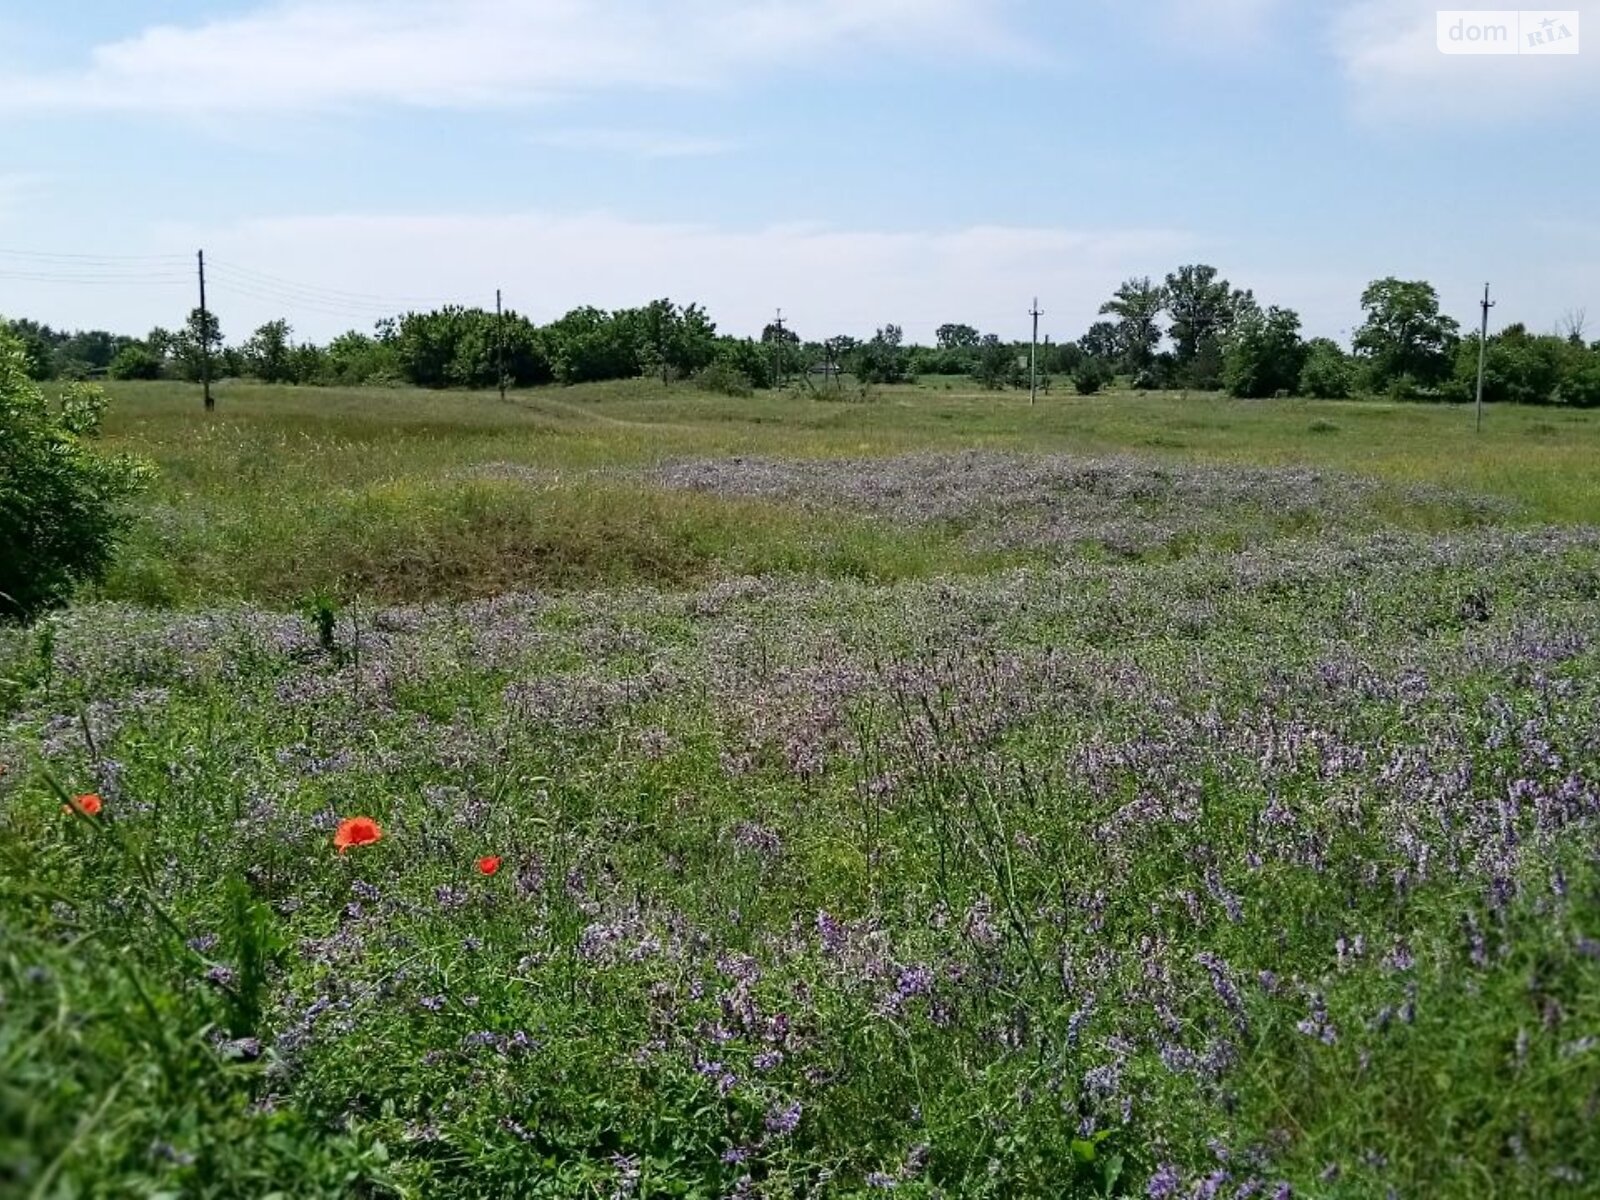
(1581, 387)
(725, 379)
(1092, 375)
(1329, 373)
(134, 362)
(61, 504)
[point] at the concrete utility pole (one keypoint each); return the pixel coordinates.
(500, 342)
(777, 353)
(1483, 351)
(1033, 355)
(205, 336)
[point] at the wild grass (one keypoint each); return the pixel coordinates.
(794, 798)
(401, 495)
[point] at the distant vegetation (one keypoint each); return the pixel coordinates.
(1193, 331)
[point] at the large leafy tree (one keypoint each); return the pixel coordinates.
(673, 340)
(1103, 341)
(267, 353)
(1137, 306)
(1519, 368)
(1264, 354)
(957, 337)
(1405, 340)
(1202, 307)
(883, 358)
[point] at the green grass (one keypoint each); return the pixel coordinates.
(286, 491)
(839, 848)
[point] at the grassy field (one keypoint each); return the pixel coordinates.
(407, 495)
(782, 797)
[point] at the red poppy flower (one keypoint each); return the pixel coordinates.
(357, 831)
(88, 804)
(489, 865)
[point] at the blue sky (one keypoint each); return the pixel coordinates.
(855, 162)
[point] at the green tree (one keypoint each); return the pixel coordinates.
(1137, 305)
(1329, 373)
(997, 365)
(267, 353)
(1202, 308)
(134, 361)
(957, 337)
(1580, 386)
(1264, 354)
(1518, 368)
(1405, 341)
(200, 334)
(1103, 341)
(62, 505)
(883, 358)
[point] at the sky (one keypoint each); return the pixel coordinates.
(850, 162)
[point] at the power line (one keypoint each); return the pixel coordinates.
(94, 280)
(49, 256)
(265, 279)
(326, 307)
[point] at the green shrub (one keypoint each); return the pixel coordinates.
(725, 379)
(61, 504)
(1329, 373)
(1091, 376)
(1581, 387)
(134, 362)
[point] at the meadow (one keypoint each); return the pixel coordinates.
(790, 796)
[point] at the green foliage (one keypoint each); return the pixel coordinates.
(135, 362)
(997, 364)
(1581, 386)
(1517, 368)
(725, 379)
(957, 337)
(1329, 373)
(1092, 375)
(200, 334)
(1203, 308)
(267, 355)
(1405, 341)
(745, 358)
(882, 359)
(459, 347)
(1102, 340)
(1137, 305)
(1264, 354)
(62, 504)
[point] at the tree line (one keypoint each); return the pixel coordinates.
(1192, 331)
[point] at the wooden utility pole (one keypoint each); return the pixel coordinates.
(500, 342)
(1033, 355)
(1483, 351)
(205, 336)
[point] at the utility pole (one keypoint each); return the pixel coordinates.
(500, 343)
(1033, 355)
(205, 336)
(777, 352)
(1483, 351)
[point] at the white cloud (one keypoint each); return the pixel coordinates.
(635, 143)
(1389, 53)
(308, 55)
